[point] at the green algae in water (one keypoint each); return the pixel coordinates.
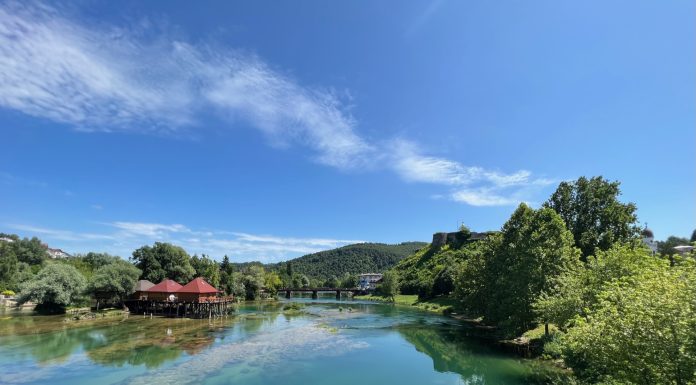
(374, 343)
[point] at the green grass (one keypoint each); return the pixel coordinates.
(440, 305)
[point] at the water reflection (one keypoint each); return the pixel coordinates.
(259, 345)
(148, 342)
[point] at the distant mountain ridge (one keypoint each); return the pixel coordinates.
(354, 259)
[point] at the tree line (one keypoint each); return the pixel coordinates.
(575, 268)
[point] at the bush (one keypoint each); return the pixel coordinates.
(8, 293)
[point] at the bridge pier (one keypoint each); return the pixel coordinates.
(338, 294)
(315, 294)
(288, 294)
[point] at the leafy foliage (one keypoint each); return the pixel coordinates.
(164, 260)
(641, 330)
(390, 285)
(593, 214)
(352, 259)
(205, 267)
(512, 269)
(56, 286)
(114, 281)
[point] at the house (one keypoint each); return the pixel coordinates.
(140, 290)
(197, 290)
(57, 253)
(164, 291)
(368, 281)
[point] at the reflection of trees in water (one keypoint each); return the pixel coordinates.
(134, 342)
(452, 351)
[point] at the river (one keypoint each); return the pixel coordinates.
(329, 342)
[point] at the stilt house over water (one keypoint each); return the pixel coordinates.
(197, 290)
(163, 290)
(141, 288)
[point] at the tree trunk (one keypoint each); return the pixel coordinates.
(546, 329)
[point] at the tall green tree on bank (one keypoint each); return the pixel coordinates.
(390, 285)
(113, 282)
(164, 260)
(516, 266)
(593, 214)
(55, 287)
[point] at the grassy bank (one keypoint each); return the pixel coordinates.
(440, 305)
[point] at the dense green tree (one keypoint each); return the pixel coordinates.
(576, 291)
(693, 237)
(667, 247)
(390, 285)
(254, 279)
(642, 329)
(235, 285)
(331, 282)
(205, 267)
(31, 251)
(532, 252)
(55, 287)
(593, 214)
(164, 260)
(443, 283)
(348, 280)
(272, 282)
(9, 266)
(113, 282)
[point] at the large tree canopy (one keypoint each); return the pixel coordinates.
(164, 260)
(593, 214)
(114, 281)
(55, 286)
(516, 266)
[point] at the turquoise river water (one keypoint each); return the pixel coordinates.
(330, 342)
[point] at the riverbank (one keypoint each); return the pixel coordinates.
(444, 305)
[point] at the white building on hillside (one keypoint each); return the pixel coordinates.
(368, 281)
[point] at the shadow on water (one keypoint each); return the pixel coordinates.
(477, 362)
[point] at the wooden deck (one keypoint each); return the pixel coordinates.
(217, 307)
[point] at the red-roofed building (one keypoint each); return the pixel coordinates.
(197, 290)
(163, 290)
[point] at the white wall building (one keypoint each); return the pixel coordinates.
(368, 281)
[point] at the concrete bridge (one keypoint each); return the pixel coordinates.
(315, 291)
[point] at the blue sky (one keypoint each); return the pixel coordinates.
(269, 130)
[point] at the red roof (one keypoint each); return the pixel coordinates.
(166, 286)
(198, 286)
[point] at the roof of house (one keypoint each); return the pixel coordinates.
(143, 285)
(166, 286)
(198, 286)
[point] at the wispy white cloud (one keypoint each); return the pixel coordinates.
(99, 78)
(61, 235)
(121, 238)
(475, 186)
(115, 80)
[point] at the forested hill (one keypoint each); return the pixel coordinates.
(353, 259)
